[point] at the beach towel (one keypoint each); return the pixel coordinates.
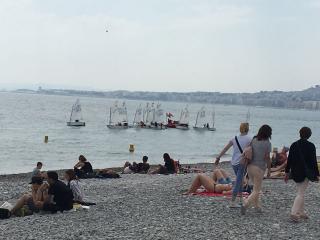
(210, 194)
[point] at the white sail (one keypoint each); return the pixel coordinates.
(201, 118)
(139, 116)
(150, 114)
(184, 117)
(248, 116)
(76, 112)
(118, 114)
(159, 114)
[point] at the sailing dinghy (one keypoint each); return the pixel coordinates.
(76, 119)
(202, 123)
(118, 117)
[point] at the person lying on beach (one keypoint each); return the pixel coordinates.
(60, 195)
(220, 182)
(106, 173)
(169, 166)
(83, 168)
(34, 201)
(190, 169)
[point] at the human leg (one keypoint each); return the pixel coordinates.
(298, 205)
(201, 180)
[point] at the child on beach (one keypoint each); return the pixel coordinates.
(37, 171)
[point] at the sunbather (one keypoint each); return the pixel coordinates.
(219, 183)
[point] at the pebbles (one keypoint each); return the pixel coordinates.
(152, 207)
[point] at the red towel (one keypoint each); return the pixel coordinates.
(210, 194)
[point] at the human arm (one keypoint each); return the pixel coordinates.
(79, 165)
(223, 152)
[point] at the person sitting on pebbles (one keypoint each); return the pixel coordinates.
(30, 202)
(168, 168)
(220, 182)
(83, 168)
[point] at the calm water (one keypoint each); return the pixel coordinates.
(25, 120)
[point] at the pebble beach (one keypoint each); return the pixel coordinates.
(153, 207)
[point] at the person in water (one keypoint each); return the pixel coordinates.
(83, 168)
(220, 182)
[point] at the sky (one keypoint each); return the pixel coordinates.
(160, 45)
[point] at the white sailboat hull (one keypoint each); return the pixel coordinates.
(76, 124)
(182, 127)
(204, 129)
(117, 127)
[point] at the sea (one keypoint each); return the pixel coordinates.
(25, 120)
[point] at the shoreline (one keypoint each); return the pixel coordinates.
(205, 166)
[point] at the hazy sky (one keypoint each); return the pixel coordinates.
(160, 45)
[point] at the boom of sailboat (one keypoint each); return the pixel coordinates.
(150, 116)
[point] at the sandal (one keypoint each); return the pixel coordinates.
(4, 213)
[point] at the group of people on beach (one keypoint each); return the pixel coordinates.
(251, 161)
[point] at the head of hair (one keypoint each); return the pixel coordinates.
(39, 164)
(305, 133)
(145, 159)
(244, 128)
(71, 174)
(166, 156)
(53, 175)
(264, 133)
(82, 158)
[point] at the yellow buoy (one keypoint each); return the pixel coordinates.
(46, 139)
(131, 148)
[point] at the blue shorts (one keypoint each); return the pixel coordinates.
(224, 180)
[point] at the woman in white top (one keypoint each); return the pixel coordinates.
(239, 143)
(74, 185)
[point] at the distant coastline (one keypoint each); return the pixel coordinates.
(305, 99)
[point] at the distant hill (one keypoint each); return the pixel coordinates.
(306, 99)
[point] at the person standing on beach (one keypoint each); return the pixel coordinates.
(239, 143)
(261, 149)
(302, 166)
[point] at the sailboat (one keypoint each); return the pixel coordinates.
(183, 123)
(202, 123)
(139, 116)
(248, 116)
(118, 117)
(76, 116)
(154, 117)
